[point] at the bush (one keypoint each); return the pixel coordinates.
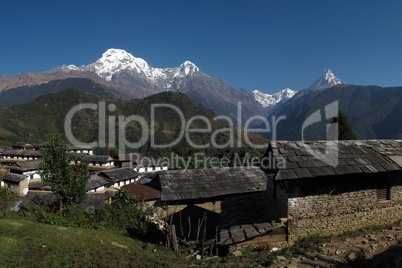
(124, 214)
(7, 199)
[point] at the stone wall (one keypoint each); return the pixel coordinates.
(20, 189)
(344, 208)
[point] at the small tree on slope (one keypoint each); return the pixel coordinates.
(66, 180)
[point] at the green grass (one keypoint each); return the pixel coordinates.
(27, 244)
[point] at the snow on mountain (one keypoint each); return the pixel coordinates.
(327, 80)
(269, 101)
(115, 61)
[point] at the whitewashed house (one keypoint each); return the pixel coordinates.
(119, 177)
(28, 168)
(96, 183)
(81, 149)
(21, 154)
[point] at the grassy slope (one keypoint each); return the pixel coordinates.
(25, 243)
(28, 244)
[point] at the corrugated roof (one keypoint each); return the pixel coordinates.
(206, 183)
(320, 158)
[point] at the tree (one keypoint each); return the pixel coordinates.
(345, 131)
(65, 173)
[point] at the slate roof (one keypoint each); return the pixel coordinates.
(38, 198)
(143, 192)
(94, 182)
(99, 158)
(23, 166)
(79, 147)
(25, 153)
(141, 160)
(48, 198)
(245, 217)
(24, 145)
(321, 158)
(206, 183)
(119, 174)
(21, 144)
(15, 178)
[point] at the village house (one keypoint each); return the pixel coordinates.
(99, 162)
(25, 146)
(17, 183)
(119, 177)
(229, 201)
(95, 183)
(140, 163)
(27, 168)
(333, 187)
(21, 154)
(88, 150)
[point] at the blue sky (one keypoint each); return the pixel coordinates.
(266, 45)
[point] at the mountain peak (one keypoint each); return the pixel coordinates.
(188, 67)
(271, 100)
(117, 52)
(114, 60)
(327, 80)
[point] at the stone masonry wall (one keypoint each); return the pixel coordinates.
(333, 214)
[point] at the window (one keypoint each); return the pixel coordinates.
(383, 194)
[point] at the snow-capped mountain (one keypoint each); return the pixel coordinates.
(271, 101)
(115, 62)
(327, 80)
(268, 101)
(133, 77)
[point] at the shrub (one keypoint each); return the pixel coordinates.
(7, 199)
(125, 214)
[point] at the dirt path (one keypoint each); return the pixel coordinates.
(366, 248)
